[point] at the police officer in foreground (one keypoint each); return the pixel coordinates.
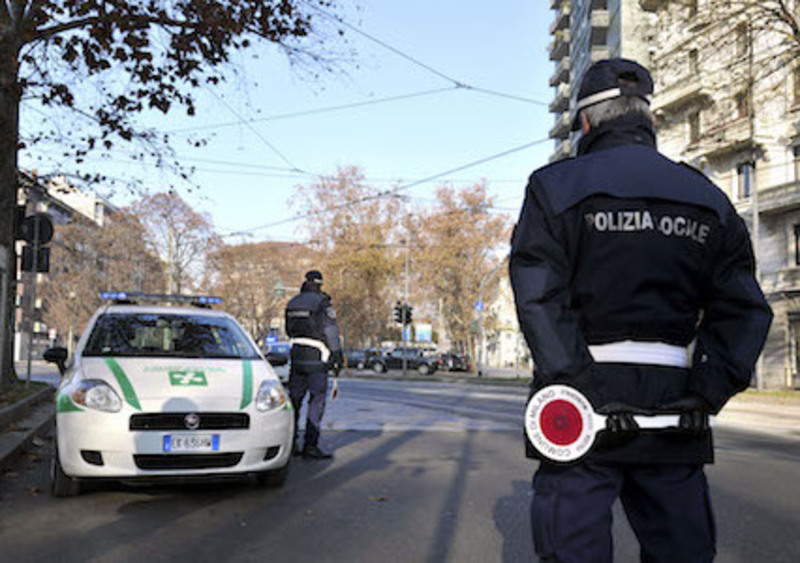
(311, 325)
(634, 282)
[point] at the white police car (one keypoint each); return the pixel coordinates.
(158, 390)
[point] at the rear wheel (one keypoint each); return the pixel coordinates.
(61, 484)
(424, 369)
(378, 367)
(273, 479)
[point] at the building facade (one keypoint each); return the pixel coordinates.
(727, 101)
(61, 202)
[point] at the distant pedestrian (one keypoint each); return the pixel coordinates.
(316, 349)
(634, 282)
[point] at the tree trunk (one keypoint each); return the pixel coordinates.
(9, 134)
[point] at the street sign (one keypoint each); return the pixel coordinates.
(479, 306)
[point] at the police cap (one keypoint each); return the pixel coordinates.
(314, 276)
(609, 79)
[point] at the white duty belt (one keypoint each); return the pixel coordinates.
(319, 345)
(650, 353)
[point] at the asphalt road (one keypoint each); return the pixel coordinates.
(424, 472)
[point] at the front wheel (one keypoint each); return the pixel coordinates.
(61, 484)
(378, 367)
(424, 369)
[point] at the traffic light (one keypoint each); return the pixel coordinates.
(398, 312)
(409, 309)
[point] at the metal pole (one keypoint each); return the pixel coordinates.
(405, 314)
(754, 184)
(35, 268)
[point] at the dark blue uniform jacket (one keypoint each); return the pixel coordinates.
(622, 243)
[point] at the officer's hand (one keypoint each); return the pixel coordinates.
(693, 410)
(619, 417)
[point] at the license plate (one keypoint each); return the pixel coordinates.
(193, 443)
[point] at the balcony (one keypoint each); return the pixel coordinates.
(561, 74)
(600, 52)
(779, 199)
(651, 5)
(726, 138)
(678, 95)
(600, 19)
(563, 150)
(561, 128)
(562, 18)
(559, 46)
(781, 281)
(561, 100)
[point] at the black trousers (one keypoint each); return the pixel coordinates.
(668, 507)
(314, 383)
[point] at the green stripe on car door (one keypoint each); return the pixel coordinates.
(247, 383)
(124, 383)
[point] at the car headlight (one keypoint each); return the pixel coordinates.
(271, 395)
(96, 394)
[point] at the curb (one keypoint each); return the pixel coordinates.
(22, 422)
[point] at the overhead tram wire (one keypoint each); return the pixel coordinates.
(457, 83)
(255, 132)
(327, 109)
(393, 192)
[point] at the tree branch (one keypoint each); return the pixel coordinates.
(48, 32)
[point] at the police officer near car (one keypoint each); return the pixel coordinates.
(634, 282)
(316, 349)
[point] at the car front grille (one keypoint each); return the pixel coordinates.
(187, 461)
(177, 421)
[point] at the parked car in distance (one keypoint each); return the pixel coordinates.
(454, 361)
(360, 358)
(415, 359)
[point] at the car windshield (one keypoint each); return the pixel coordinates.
(168, 336)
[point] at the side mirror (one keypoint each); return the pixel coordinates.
(277, 359)
(57, 355)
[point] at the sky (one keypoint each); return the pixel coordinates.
(436, 89)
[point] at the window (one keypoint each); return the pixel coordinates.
(693, 62)
(742, 39)
(797, 85)
(742, 101)
(694, 128)
(797, 245)
(745, 175)
(796, 162)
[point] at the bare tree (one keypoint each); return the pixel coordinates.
(459, 240)
(109, 60)
(181, 236)
(353, 229)
(257, 280)
(88, 259)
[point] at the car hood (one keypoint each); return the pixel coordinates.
(200, 381)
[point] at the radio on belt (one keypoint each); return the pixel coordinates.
(562, 425)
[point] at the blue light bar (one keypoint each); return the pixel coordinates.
(201, 300)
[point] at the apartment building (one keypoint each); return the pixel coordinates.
(61, 202)
(585, 31)
(727, 100)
